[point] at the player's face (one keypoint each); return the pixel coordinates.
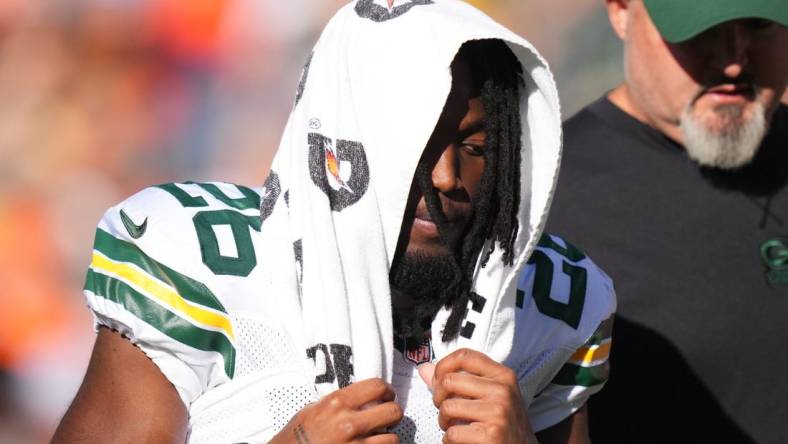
(456, 153)
(720, 78)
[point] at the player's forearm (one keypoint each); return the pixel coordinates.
(124, 398)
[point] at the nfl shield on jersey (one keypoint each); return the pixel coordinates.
(175, 270)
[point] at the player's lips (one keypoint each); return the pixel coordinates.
(730, 93)
(424, 223)
(426, 226)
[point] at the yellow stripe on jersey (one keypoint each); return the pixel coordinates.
(163, 294)
(591, 354)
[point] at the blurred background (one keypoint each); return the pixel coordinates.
(99, 98)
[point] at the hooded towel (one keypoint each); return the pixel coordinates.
(368, 100)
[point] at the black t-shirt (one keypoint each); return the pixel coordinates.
(699, 258)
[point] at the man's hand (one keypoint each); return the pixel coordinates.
(479, 400)
(356, 413)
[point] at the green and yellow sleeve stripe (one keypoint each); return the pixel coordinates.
(173, 303)
(589, 365)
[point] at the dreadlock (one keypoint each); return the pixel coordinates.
(496, 74)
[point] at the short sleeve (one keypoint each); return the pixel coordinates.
(138, 283)
(582, 375)
(572, 303)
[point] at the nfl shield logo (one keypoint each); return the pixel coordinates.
(420, 354)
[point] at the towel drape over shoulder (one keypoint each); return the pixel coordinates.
(368, 100)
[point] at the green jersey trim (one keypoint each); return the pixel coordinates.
(188, 288)
(173, 303)
(161, 318)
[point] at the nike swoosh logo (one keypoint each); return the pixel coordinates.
(135, 231)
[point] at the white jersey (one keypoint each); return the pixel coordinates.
(175, 270)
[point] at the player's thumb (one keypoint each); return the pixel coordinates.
(426, 372)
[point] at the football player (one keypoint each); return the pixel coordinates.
(389, 283)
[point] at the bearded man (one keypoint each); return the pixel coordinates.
(676, 179)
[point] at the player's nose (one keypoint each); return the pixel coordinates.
(445, 177)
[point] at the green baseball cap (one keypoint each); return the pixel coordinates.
(679, 20)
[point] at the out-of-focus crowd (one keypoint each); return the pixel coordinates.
(99, 98)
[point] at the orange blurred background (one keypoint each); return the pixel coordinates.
(99, 98)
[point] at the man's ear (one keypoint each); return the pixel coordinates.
(618, 13)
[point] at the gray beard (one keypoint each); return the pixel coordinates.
(419, 287)
(732, 146)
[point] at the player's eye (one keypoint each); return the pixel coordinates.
(474, 149)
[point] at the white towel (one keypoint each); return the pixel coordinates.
(368, 101)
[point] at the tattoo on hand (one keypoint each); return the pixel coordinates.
(301, 436)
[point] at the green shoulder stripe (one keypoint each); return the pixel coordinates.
(187, 287)
(571, 374)
(162, 319)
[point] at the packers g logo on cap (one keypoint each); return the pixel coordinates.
(340, 170)
(774, 253)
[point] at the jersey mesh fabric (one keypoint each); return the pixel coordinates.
(289, 401)
(261, 347)
(229, 421)
(240, 420)
(420, 420)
